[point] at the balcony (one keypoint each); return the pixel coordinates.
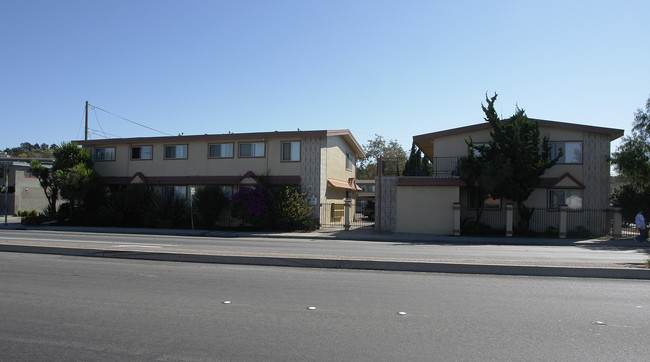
(445, 166)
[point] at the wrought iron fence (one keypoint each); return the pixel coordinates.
(332, 215)
(543, 222)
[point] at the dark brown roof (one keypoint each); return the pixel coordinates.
(429, 181)
(196, 180)
(551, 182)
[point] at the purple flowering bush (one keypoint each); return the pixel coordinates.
(252, 204)
(272, 207)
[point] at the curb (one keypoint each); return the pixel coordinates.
(355, 264)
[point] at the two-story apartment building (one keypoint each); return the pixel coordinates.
(322, 163)
(580, 179)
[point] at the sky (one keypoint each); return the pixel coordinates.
(392, 68)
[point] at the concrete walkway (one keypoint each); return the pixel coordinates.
(536, 266)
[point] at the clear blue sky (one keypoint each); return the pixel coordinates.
(394, 68)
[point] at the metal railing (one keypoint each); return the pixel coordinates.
(332, 215)
(580, 223)
(445, 166)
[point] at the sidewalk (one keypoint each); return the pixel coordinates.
(266, 256)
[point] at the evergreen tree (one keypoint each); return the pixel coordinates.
(417, 165)
(514, 159)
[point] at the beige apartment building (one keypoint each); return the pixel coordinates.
(580, 180)
(322, 163)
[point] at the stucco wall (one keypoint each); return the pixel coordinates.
(426, 209)
(337, 159)
(29, 193)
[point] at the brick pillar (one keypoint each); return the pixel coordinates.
(456, 218)
(509, 220)
(563, 221)
(617, 231)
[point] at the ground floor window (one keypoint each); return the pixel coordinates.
(178, 192)
(571, 198)
(227, 191)
(478, 202)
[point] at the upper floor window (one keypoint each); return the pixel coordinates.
(349, 164)
(141, 152)
(220, 150)
(176, 151)
(291, 151)
(572, 151)
(105, 154)
(571, 198)
(251, 149)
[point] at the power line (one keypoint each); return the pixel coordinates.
(97, 118)
(128, 120)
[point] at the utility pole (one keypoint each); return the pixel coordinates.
(86, 128)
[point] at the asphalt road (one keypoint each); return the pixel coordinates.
(60, 308)
(452, 252)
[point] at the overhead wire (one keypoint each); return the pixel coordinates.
(97, 118)
(128, 120)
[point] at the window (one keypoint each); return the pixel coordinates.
(367, 188)
(488, 203)
(177, 192)
(105, 154)
(220, 150)
(227, 191)
(141, 152)
(291, 151)
(572, 198)
(572, 151)
(251, 149)
(176, 151)
(350, 161)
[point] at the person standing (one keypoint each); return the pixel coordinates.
(639, 220)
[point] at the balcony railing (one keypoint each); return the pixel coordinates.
(445, 166)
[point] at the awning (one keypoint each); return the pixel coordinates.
(350, 184)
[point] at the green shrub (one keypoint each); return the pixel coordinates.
(166, 212)
(126, 206)
(208, 203)
(34, 213)
(290, 210)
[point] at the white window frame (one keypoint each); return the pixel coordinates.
(569, 147)
(142, 148)
(220, 146)
(294, 151)
(573, 198)
(180, 152)
(257, 149)
(107, 154)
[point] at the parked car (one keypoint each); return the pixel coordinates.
(369, 210)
